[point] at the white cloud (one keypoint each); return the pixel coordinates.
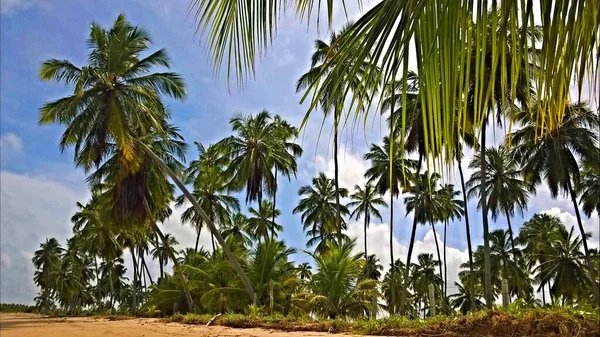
(351, 168)
(11, 6)
(10, 141)
(378, 243)
(33, 208)
(591, 225)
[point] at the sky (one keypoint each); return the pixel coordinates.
(40, 186)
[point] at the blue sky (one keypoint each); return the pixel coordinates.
(39, 185)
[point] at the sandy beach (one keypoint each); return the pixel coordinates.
(21, 325)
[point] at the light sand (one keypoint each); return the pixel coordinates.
(21, 325)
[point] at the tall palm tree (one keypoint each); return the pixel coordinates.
(333, 100)
(509, 268)
(506, 190)
(373, 268)
(163, 252)
(424, 274)
(453, 209)
(321, 214)
(429, 204)
(554, 156)
(389, 172)
(287, 165)
(364, 205)
(237, 229)
(253, 151)
(116, 94)
(536, 235)
(45, 260)
(260, 224)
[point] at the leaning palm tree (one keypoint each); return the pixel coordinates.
(554, 157)
(389, 172)
(506, 190)
(365, 205)
(320, 211)
(260, 224)
(333, 100)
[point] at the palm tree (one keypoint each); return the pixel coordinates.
(304, 271)
(260, 223)
(210, 190)
(536, 235)
(287, 165)
(237, 229)
(253, 151)
(428, 205)
(590, 185)
(453, 209)
(424, 274)
(389, 172)
(45, 260)
(506, 190)
(373, 268)
(393, 286)
(511, 269)
(163, 251)
(333, 100)
(553, 157)
(366, 200)
(566, 268)
(320, 212)
(463, 300)
(336, 287)
(115, 95)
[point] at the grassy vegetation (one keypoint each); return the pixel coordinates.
(16, 308)
(537, 322)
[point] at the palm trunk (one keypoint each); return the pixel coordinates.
(445, 265)
(487, 283)
(197, 240)
(274, 204)
(543, 295)
(365, 230)
(147, 270)
(510, 233)
(393, 273)
(134, 284)
(209, 223)
(112, 290)
(467, 227)
(407, 267)
(337, 181)
(584, 240)
(437, 247)
(99, 300)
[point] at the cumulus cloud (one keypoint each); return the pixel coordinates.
(33, 208)
(351, 168)
(378, 243)
(10, 141)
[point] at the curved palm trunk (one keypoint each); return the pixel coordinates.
(467, 227)
(337, 180)
(487, 271)
(584, 240)
(393, 279)
(437, 247)
(407, 267)
(510, 233)
(211, 225)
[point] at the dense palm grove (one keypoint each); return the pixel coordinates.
(122, 137)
